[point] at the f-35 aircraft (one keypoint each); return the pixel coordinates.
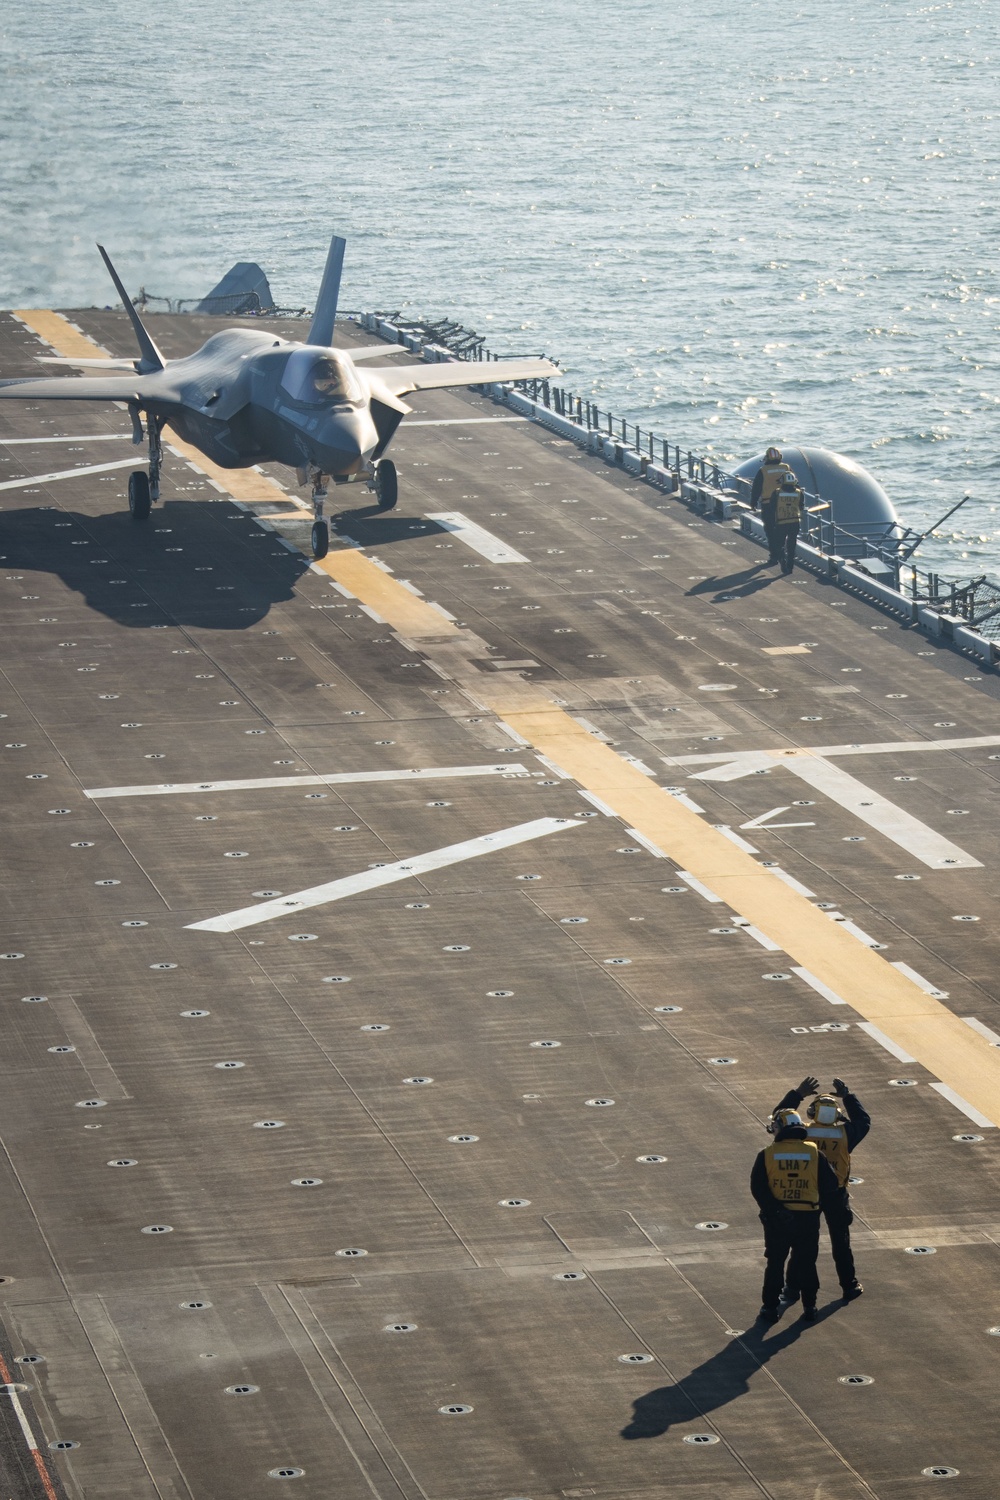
(246, 397)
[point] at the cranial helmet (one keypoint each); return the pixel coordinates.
(789, 482)
(825, 1109)
(773, 456)
(781, 1118)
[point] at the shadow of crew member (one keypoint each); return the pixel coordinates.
(723, 1378)
(764, 493)
(791, 1181)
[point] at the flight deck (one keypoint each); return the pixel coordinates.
(404, 951)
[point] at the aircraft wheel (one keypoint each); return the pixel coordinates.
(139, 499)
(320, 539)
(386, 485)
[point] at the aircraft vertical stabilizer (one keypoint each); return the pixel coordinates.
(151, 359)
(321, 328)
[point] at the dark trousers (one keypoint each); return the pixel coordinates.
(795, 1235)
(839, 1221)
(767, 515)
(784, 546)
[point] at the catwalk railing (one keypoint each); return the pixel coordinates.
(882, 551)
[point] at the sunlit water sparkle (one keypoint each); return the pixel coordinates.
(733, 222)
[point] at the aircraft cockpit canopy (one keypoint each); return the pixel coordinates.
(321, 379)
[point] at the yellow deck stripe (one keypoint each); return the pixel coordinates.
(405, 612)
(59, 333)
(917, 1022)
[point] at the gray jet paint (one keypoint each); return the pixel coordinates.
(246, 397)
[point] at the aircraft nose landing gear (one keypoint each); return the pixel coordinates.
(320, 529)
(386, 484)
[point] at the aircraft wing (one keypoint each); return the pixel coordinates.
(400, 379)
(85, 364)
(138, 389)
(372, 351)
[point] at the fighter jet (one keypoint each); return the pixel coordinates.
(246, 397)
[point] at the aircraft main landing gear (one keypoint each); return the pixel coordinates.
(144, 488)
(320, 529)
(386, 484)
(139, 498)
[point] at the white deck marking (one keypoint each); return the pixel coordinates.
(885, 1041)
(859, 933)
(732, 770)
(683, 799)
(818, 986)
(551, 766)
(734, 838)
(758, 936)
(790, 880)
(964, 1105)
(603, 807)
(767, 758)
(89, 437)
(696, 885)
(646, 843)
(462, 421)
(920, 981)
(764, 820)
(902, 828)
(368, 880)
(984, 1031)
(334, 778)
(20, 484)
(476, 537)
(22, 1420)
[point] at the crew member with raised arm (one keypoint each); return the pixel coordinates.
(837, 1122)
(791, 1182)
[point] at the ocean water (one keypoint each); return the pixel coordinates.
(737, 223)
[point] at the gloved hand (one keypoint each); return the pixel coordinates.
(808, 1086)
(839, 1087)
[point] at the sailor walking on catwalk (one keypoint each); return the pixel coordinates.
(764, 493)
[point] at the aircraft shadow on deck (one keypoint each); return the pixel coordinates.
(373, 527)
(238, 592)
(723, 1378)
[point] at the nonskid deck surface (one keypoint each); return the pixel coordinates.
(435, 1183)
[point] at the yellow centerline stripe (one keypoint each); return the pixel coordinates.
(59, 334)
(915, 1021)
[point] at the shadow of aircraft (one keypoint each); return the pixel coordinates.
(721, 1379)
(190, 564)
(372, 527)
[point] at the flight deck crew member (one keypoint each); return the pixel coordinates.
(791, 1182)
(764, 492)
(787, 519)
(836, 1134)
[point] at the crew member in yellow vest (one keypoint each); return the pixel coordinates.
(788, 506)
(791, 1182)
(836, 1134)
(764, 493)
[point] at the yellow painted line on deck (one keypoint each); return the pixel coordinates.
(915, 1021)
(405, 612)
(918, 1023)
(60, 334)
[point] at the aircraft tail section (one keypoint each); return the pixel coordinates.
(151, 359)
(321, 328)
